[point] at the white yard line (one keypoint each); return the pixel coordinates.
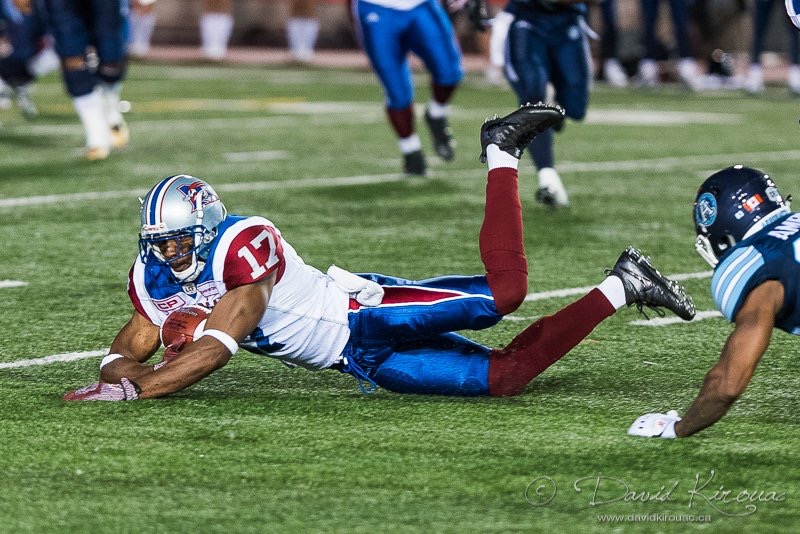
(12, 283)
(666, 321)
(570, 291)
(67, 357)
(659, 321)
(246, 186)
(343, 181)
(261, 155)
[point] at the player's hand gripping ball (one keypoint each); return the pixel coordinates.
(181, 328)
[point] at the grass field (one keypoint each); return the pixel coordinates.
(257, 447)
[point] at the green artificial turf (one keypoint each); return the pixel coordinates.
(257, 447)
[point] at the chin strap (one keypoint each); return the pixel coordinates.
(190, 274)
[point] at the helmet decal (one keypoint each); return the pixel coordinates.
(752, 203)
(191, 191)
(731, 205)
(180, 206)
(705, 212)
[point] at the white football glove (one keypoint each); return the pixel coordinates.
(101, 391)
(653, 425)
(366, 292)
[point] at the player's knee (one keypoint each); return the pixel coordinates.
(399, 101)
(15, 72)
(77, 77)
(509, 289)
(451, 77)
(576, 108)
(460, 375)
(111, 72)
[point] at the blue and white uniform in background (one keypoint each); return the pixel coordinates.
(403, 343)
(76, 24)
(25, 34)
(548, 42)
(390, 29)
(773, 253)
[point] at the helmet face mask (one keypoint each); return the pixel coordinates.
(732, 205)
(179, 216)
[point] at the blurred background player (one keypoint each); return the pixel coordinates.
(498, 37)
(95, 91)
(388, 30)
(686, 66)
(547, 44)
(612, 70)
(142, 24)
(216, 26)
(754, 83)
(28, 54)
(302, 29)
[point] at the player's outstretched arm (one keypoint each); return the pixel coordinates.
(236, 314)
(136, 342)
(729, 377)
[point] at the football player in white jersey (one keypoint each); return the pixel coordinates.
(385, 331)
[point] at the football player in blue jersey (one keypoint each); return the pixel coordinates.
(388, 31)
(547, 44)
(95, 91)
(748, 233)
(27, 54)
(386, 331)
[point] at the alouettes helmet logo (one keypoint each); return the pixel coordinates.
(199, 188)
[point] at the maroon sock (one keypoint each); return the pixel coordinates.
(544, 342)
(442, 93)
(500, 241)
(402, 121)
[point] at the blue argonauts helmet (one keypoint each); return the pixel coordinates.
(178, 206)
(731, 205)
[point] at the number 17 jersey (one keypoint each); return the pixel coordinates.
(305, 322)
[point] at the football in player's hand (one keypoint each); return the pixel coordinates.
(182, 327)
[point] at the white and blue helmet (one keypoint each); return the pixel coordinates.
(180, 206)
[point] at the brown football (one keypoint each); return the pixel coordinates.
(183, 326)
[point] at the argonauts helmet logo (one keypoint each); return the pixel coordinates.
(705, 212)
(192, 190)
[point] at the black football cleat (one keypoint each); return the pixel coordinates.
(443, 142)
(514, 132)
(645, 286)
(414, 164)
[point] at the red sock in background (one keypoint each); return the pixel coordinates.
(442, 93)
(544, 342)
(402, 121)
(500, 241)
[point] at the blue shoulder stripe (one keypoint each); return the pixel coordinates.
(731, 277)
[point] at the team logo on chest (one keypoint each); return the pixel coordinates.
(171, 303)
(191, 192)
